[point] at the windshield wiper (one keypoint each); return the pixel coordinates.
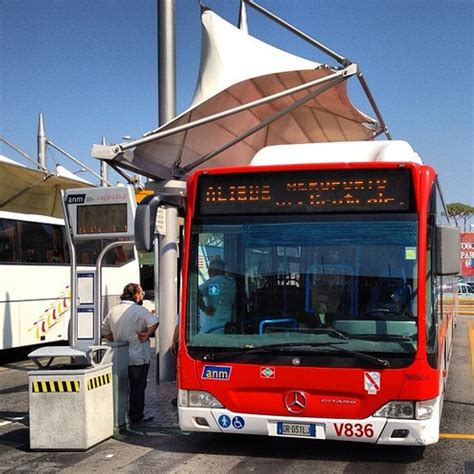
(267, 349)
(291, 346)
(281, 347)
(362, 356)
(385, 337)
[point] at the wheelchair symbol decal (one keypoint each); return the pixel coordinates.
(238, 422)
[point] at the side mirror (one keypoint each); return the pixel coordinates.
(149, 221)
(145, 220)
(447, 250)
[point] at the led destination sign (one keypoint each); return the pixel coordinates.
(314, 191)
(102, 219)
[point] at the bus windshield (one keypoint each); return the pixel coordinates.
(304, 285)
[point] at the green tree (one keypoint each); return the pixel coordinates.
(459, 211)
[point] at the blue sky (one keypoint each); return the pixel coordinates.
(90, 66)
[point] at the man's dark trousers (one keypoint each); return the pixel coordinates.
(137, 375)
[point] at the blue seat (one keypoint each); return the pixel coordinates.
(266, 322)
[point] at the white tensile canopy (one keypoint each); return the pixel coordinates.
(310, 104)
(30, 191)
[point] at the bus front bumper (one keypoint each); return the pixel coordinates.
(373, 430)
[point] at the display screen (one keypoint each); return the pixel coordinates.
(102, 219)
(307, 192)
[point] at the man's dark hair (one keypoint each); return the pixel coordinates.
(217, 264)
(129, 292)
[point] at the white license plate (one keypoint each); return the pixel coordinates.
(296, 429)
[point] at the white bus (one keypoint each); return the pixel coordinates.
(35, 277)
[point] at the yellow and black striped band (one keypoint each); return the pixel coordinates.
(99, 381)
(50, 386)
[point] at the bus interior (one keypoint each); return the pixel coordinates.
(356, 277)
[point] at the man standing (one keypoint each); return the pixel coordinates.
(130, 322)
(216, 298)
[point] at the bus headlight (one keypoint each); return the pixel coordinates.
(197, 398)
(398, 409)
(425, 409)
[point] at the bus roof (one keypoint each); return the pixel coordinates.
(20, 216)
(337, 152)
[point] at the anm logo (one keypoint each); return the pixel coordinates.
(216, 372)
(76, 199)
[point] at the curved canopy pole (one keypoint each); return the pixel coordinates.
(109, 152)
(340, 59)
(324, 84)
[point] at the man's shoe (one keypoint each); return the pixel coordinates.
(146, 417)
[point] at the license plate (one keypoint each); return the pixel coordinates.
(296, 429)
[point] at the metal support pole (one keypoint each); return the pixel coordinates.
(122, 173)
(72, 330)
(156, 291)
(166, 60)
(167, 257)
(168, 294)
(41, 140)
(103, 174)
(370, 97)
(243, 25)
(68, 155)
(21, 152)
(103, 169)
(340, 59)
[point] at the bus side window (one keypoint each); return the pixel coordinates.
(88, 252)
(35, 240)
(85, 258)
(54, 256)
(8, 241)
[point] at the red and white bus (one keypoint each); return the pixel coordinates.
(338, 255)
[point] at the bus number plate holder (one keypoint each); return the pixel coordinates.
(305, 430)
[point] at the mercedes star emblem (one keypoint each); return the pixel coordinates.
(295, 402)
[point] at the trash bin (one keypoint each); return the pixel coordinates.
(119, 358)
(71, 405)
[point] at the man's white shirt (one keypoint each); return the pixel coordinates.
(124, 322)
